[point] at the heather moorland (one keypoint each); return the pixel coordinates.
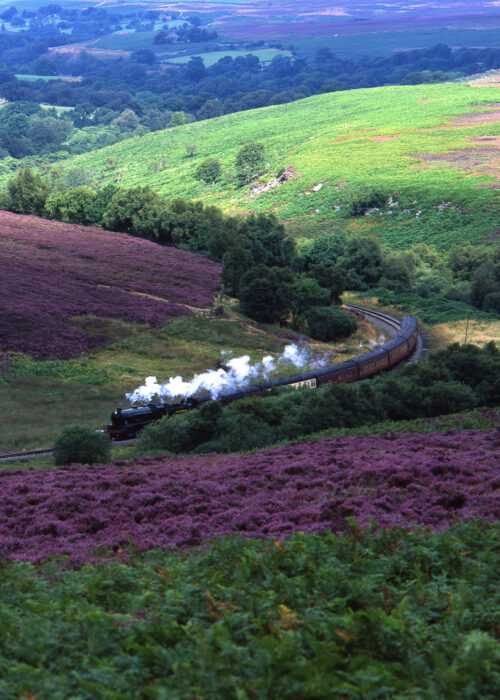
(55, 273)
(397, 480)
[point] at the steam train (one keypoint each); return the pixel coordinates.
(126, 423)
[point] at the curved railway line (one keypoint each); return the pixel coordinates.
(386, 322)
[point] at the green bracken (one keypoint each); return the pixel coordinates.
(344, 141)
(365, 615)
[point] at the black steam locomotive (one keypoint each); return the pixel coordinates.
(126, 423)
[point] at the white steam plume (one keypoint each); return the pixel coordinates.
(238, 374)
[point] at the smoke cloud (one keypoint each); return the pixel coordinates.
(238, 373)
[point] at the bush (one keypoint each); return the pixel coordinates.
(491, 303)
(209, 170)
(79, 443)
(367, 200)
(250, 161)
(182, 432)
(329, 323)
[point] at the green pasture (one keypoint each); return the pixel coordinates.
(128, 41)
(32, 78)
(344, 141)
(59, 108)
(211, 57)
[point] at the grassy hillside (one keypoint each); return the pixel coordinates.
(433, 147)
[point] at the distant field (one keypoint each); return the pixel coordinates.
(128, 41)
(209, 58)
(32, 78)
(435, 148)
(58, 108)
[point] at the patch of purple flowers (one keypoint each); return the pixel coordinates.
(406, 480)
(52, 272)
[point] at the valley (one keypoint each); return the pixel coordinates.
(195, 196)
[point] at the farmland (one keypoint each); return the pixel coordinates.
(439, 149)
(209, 58)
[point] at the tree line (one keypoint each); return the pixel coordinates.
(275, 279)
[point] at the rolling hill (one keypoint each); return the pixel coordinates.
(433, 148)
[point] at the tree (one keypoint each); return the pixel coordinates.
(79, 443)
(125, 205)
(195, 69)
(178, 118)
(397, 272)
(127, 121)
(47, 131)
(236, 262)
(78, 177)
(95, 210)
(210, 109)
(71, 205)
(491, 302)
(250, 161)
(265, 293)
(144, 56)
(209, 170)
(429, 286)
(329, 277)
(27, 193)
(362, 262)
(326, 249)
(306, 293)
(267, 240)
(191, 149)
(329, 323)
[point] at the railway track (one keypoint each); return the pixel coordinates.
(386, 322)
(16, 455)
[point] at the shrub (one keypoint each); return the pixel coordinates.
(250, 161)
(79, 443)
(329, 323)
(491, 302)
(367, 200)
(209, 170)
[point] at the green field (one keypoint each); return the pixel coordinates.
(31, 78)
(132, 41)
(345, 142)
(211, 57)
